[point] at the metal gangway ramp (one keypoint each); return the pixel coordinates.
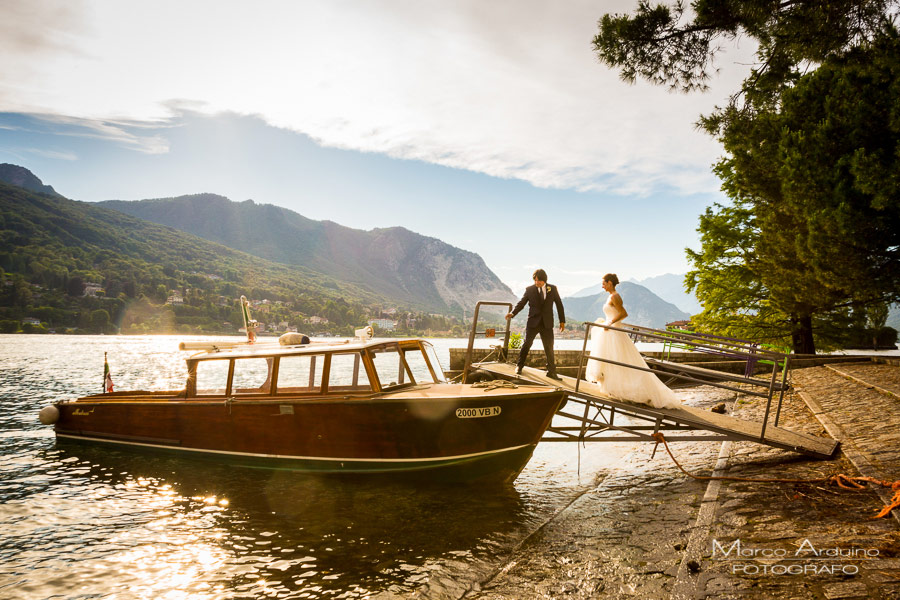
(599, 417)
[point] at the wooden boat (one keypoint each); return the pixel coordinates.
(360, 406)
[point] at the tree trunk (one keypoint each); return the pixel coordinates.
(802, 334)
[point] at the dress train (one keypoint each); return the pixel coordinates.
(624, 383)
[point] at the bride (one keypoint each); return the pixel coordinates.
(620, 382)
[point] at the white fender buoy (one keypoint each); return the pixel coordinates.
(293, 338)
(49, 415)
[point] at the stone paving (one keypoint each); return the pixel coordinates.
(649, 531)
(886, 376)
(870, 420)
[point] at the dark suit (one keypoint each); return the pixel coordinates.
(540, 321)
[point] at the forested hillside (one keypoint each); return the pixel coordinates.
(151, 278)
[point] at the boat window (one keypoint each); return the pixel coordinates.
(347, 373)
(435, 363)
(252, 376)
(415, 359)
(300, 374)
(212, 377)
(389, 366)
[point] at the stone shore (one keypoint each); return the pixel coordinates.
(647, 530)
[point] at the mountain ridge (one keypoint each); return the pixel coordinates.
(22, 177)
(393, 262)
(669, 287)
(644, 307)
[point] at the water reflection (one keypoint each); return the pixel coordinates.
(154, 525)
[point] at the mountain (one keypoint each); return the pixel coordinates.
(396, 263)
(669, 287)
(589, 291)
(22, 177)
(893, 319)
(644, 307)
(54, 241)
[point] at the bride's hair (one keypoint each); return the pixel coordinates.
(611, 277)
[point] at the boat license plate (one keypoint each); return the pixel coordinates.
(474, 413)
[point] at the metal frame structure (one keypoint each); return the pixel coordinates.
(504, 349)
(603, 421)
(606, 419)
(727, 347)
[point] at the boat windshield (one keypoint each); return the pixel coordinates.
(417, 361)
(390, 367)
(405, 364)
(436, 367)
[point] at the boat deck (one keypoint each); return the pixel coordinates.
(684, 419)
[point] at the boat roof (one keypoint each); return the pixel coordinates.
(220, 350)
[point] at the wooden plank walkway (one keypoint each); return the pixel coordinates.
(686, 416)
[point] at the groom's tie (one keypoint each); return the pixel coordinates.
(543, 293)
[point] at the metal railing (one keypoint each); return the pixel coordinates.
(752, 361)
(504, 349)
(702, 343)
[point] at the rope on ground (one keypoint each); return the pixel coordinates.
(495, 384)
(843, 481)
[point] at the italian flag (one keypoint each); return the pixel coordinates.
(107, 378)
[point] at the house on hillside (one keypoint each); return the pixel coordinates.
(175, 298)
(385, 324)
(92, 289)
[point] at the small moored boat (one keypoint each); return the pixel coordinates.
(360, 406)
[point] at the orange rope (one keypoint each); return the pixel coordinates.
(843, 481)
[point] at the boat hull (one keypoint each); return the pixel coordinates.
(453, 436)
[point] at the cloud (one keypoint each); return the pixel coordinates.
(38, 27)
(510, 89)
(53, 154)
(123, 133)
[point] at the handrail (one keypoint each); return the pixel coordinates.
(699, 340)
(753, 347)
(503, 350)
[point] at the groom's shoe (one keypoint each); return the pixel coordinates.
(518, 370)
(554, 376)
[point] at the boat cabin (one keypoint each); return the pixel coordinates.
(355, 368)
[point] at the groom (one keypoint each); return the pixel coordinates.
(540, 298)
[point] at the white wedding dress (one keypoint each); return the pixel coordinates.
(624, 383)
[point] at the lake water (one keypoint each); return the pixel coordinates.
(82, 521)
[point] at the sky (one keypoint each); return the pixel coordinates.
(489, 125)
